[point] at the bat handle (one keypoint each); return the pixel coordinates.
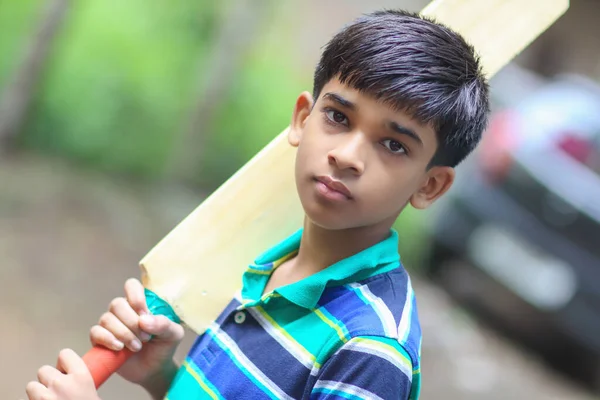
(103, 362)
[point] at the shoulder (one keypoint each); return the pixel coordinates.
(381, 348)
(371, 367)
(381, 306)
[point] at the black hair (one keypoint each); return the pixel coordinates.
(418, 66)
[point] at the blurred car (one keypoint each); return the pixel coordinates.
(518, 236)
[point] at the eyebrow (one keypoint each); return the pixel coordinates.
(406, 131)
(336, 98)
(402, 130)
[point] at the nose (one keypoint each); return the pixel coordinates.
(347, 155)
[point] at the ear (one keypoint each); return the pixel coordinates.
(438, 181)
(302, 109)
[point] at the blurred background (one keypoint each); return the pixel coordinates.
(118, 118)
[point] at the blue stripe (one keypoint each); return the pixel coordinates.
(227, 378)
(333, 394)
(374, 320)
(261, 354)
(347, 302)
(241, 367)
(325, 310)
(392, 290)
(364, 370)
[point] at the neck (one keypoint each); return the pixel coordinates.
(320, 247)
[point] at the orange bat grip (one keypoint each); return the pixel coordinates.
(103, 362)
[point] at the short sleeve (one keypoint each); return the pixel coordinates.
(365, 367)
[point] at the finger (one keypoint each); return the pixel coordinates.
(134, 292)
(71, 363)
(162, 327)
(100, 336)
(46, 375)
(37, 391)
(121, 308)
(114, 325)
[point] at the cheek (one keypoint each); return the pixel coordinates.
(311, 148)
(390, 187)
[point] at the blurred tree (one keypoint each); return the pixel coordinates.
(16, 98)
(130, 87)
(115, 92)
(237, 31)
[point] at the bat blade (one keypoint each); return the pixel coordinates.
(197, 267)
(498, 29)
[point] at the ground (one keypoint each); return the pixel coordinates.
(69, 238)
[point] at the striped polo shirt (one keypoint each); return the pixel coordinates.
(350, 331)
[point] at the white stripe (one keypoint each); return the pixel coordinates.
(382, 310)
(294, 348)
(381, 352)
(242, 359)
(347, 388)
(238, 296)
(404, 326)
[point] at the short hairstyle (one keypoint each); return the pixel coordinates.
(418, 66)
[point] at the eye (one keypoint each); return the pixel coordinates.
(337, 117)
(394, 146)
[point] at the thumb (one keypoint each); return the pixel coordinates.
(161, 327)
(69, 362)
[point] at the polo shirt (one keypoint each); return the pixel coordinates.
(350, 331)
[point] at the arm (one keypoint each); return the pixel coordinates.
(71, 380)
(366, 367)
(158, 386)
(127, 323)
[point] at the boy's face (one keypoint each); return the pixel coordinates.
(359, 162)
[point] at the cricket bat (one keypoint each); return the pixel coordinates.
(197, 268)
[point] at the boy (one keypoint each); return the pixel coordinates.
(329, 313)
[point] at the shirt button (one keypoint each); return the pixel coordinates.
(239, 317)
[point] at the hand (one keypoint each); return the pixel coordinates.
(129, 323)
(71, 380)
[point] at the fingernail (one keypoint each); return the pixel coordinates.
(135, 345)
(145, 336)
(117, 345)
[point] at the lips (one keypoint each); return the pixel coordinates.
(335, 185)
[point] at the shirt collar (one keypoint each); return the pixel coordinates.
(376, 259)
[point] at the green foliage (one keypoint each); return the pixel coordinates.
(119, 81)
(17, 17)
(413, 238)
(258, 109)
(117, 89)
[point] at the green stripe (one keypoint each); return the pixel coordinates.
(292, 341)
(389, 346)
(334, 323)
(415, 387)
(190, 379)
(303, 325)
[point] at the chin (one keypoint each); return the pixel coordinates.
(328, 219)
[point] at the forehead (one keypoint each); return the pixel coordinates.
(368, 108)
